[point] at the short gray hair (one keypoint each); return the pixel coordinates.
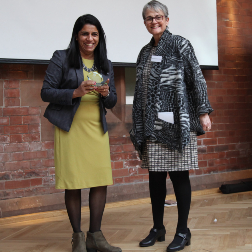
(157, 6)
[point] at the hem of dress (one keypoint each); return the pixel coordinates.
(167, 170)
(85, 187)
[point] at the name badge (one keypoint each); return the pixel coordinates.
(155, 58)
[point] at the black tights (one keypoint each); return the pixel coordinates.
(97, 201)
(182, 189)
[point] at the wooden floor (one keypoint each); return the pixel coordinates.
(218, 223)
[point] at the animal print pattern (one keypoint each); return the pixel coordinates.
(176, 84)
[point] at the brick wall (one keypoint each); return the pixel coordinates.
(228, 146)
(26, 138)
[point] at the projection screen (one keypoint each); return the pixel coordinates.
(31, 30)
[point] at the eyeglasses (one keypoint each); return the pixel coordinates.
(150, 19)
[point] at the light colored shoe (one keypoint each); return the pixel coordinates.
(78, 242)
(96, 241)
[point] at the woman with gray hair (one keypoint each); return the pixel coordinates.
(170, 109)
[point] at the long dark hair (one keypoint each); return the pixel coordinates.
(100, 52)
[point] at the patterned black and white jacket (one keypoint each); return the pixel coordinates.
(176, 84)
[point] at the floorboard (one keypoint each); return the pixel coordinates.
(218, 223)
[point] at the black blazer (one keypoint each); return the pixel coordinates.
(58, 87)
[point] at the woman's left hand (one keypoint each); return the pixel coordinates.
(103, 90)
(205, 122)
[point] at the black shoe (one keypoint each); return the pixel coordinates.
(185, 241)
(155, 234)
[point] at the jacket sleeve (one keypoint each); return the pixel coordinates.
(110, 101)
(51, 91)
(194, 79)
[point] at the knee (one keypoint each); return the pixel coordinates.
(157, 178)
(72, 193)
(179, 176)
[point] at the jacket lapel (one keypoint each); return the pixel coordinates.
(153, 96)
(79, 74)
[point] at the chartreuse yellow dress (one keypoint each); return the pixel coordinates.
(82, 155)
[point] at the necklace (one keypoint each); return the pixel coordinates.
(93, 68)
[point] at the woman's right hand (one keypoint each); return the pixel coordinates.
(84, 88)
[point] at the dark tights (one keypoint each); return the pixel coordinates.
(97, 200)
(182, 189)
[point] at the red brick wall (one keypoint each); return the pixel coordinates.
(26, 146)
(228, 146)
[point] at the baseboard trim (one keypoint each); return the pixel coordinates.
(119, 194)
(61, 214)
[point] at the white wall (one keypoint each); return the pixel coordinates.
(34, 29)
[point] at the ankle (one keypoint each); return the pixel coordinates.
(158, 227)
(183, 230)
(77, 231)
(93, 230)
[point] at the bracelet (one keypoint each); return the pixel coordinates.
(106, 95)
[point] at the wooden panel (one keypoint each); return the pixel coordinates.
(119, 109)
(1, 92)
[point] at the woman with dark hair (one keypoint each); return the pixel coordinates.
(79, 86)
(170, 109)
